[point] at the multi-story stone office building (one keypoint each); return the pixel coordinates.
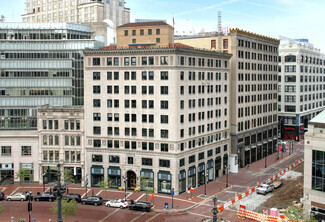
(61, 140)
(41, 63)
(301, 88)
(162, 113)
(314, 167)
(253, 70)
(76, 11)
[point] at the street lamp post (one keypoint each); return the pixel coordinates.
(125, 182)
(265, 153)
(227, 172)
(29, 207)
(59, 189)
(214, 209)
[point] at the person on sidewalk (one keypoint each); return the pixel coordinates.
(277, 157)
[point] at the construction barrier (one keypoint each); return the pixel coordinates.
(242, 213)
(251, 190)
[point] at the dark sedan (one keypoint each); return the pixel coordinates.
(143, 206)
(72, 196)
(45, 197)
(93, 200)
(2, 196)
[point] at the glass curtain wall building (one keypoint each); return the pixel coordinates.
(41, 63)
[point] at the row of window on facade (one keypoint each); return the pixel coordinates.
(262, 121)
(256, 66)
(257, 56)
(54, 124)
(309, 106)
(303, 88)
(259, 137)
(55, 140)
(150, 75)
(303, 59)
(54, 155)
(306, 79)
(126, 61)
(7, 150)
(306, 69)
(258, 46)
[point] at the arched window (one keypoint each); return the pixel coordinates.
(290, 58)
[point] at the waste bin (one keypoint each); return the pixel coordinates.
(166, 205)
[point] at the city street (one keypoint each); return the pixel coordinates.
(199, 207)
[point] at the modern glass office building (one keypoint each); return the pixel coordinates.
(41, 63)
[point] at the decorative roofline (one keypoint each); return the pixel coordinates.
(89, 52)
(237, 30)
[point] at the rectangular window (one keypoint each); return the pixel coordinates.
(26, 150)
(96, 61)
(147, 161)
(5, 150)
(96, 75)
(97, 158)
(164, 163)
(157, 31)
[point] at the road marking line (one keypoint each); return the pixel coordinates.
(117, 191)
(139, 198)
(99, 192)
(109, 215)
(85, 193)
(153, 217)
(138, 217)
(129, 195)
(14, 191)
(47, 189)
(175, 199)
(3, 188)
(202, 215)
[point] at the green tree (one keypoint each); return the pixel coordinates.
(22, 220)
(105, 184)
(69, 208)
(22, 174)
(146, 185)
(294, 213)
(68, 177)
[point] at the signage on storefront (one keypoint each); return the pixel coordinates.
(26, 165)
(289, 128)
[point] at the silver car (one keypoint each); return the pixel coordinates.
(16, 196)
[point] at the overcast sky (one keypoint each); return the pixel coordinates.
(290, 18)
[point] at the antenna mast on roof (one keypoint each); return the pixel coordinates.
(219, 34)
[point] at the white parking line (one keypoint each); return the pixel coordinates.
(175, 199)
(14, 191)
(138, 217)
(85, 193)
(202, 215)
(3, 188)
(129, 195)
(153, 217)
(139, 197)
(99, 192)
(47, 189)
(109, 215)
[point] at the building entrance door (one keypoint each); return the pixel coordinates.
(132, 179)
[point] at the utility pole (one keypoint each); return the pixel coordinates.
(59, 189)
(214, 209)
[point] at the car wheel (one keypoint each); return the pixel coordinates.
(8, 199)
(83, 203)
(50, 200)
(37, 199)
(22, 199)
(108, 205)
(95, 204)
(121, 207)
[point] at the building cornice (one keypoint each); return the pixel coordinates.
(142, 51)
(239, 31)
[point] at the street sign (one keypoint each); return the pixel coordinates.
(86, 180)
(191, 190)
(173, 193)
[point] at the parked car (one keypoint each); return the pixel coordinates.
(117, 203)
(2, 196)
(45, 197)
(264, 189)
(72, 196)
(142, 205)
(93, 200)
(16, 196)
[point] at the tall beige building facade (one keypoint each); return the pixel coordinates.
(254, 82)
(76, 11)
(162, 113)
(314, 167)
